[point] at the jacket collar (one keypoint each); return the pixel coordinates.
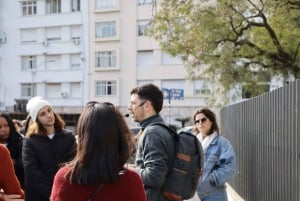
(150, 120)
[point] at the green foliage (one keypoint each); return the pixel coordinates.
(231, 42)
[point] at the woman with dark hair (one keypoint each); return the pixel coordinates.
(46, 145)
(97, 171)
(13, 141)
(220, 160)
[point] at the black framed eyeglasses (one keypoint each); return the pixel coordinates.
(142, 103)
(202, 120)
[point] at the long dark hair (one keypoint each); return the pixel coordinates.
(211, 116)
(13, 134)
(104, 142)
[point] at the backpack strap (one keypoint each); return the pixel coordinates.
(175, 137)
(171, 130)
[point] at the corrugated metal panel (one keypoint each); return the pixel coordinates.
(265, 133)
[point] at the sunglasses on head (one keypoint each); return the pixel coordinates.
(202, 120)
(93, 103)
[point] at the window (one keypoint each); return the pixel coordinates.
(168, 59)
(143, 26)
(28, 8)
(144, 2)
(106, 88)
(75, 61)
(53, 90)
(26, 90)
(29, 62)
(53, 6)
(105, 59)
(202, 87)
(28, 35)
(145, 58)
(75, 5)
(106, 29)
(53, 34)
(75, 90)
(105, 4)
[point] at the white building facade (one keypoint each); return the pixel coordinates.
(42, 54)
(72, 51)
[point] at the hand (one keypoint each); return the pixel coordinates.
(12, 197)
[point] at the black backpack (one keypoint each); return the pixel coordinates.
(186, 166)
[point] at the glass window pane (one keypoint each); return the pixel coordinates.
(106, 29)
(105, 4)
(105, 88)
(53, 6)
(105, 59)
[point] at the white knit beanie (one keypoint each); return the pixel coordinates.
(34, 105)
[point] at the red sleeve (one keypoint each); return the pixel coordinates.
(136, 190)
(8, 180)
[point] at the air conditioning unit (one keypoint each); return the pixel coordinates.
(45, 43)
(2, 40)
(2, 37)
(76, 41)
(64, 94)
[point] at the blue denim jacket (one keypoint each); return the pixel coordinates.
(219, 168)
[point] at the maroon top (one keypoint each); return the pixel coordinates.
(129, 188)
(8, 180)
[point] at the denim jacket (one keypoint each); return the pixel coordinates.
(219, 168)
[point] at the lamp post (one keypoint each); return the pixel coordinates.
(33, 72)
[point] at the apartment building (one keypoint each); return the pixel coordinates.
(72, 51)
(42, 53)
(122, 57)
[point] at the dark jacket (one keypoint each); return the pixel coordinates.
(42, 157)
(14, 145)
(154, 154)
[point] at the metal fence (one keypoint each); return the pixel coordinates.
(265, 133)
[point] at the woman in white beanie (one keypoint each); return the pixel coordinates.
(46, 145)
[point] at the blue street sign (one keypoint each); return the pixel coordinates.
(174, 94)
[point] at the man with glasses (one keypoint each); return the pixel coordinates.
(155, 145)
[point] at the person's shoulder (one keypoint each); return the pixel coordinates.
(3, 150)
(66, 133)
(4, 154)
(223, 139)
(63, 171)
(131, 174)
(15, 136)
(157, 126)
